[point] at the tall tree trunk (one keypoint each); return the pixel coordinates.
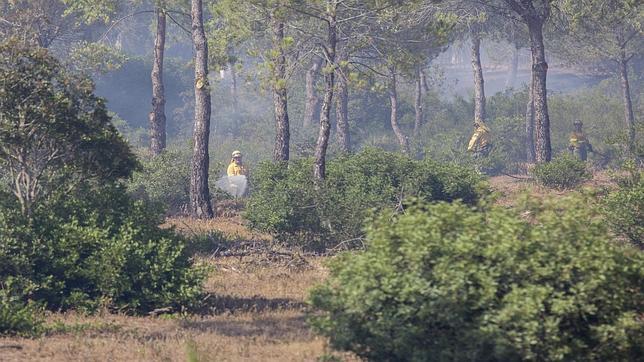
(514, 65)
(157, 116)
(539, 74)
(629, 117)
(393, 99)
(200, 206)
(529, 125)
(312, 99)
(283, 135)
(479, 85)
(418, 102)
(319, 166)
(342, 103)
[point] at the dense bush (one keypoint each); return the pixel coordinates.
(101, 248)
(165, 179)
(624, 208)
(564, 172)
(287, 202)
(445, 282)
(17, 316)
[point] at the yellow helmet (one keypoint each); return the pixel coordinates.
(237, 154)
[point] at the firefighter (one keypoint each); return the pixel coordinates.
(578, 144)
(236, 167)
(481, 142)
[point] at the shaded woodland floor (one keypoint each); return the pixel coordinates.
(255, 310)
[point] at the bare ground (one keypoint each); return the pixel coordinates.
(256, 312)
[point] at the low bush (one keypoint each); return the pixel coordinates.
(99, 249)
(165, 180)
(444, 282)
(564, 172)
(18, 316)
(289, 204)
(624, 208)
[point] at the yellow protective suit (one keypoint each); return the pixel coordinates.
(236, 170)
(579, 145)
(481, 140)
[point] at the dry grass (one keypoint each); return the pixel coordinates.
(510, 188)
(256, 312)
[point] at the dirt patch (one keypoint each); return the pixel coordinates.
(255, 313)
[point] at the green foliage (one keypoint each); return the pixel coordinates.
(165, 179)
(624, 208)
(17, 316)
(61, 136)
(564, 172)
(100, 248)
(288, 203)
(446, 282)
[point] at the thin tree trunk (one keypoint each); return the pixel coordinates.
(200, 206)
(342, 104)
(514, 65)
(157, 116)
(629, 117)
(312, 99)
(393, 99)
(283, 135)
(529, 125)
(418, 102)
(319, 166)
(479, 85)
(539, 73)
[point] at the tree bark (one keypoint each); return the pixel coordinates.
(629, 116)
(200, 205)
(283, 135)
(157, 116)
(539, 74)
(342, 104)
(418, 102)
(319, 166)
(514, 65)
(479, 84)
(529, 125)
(312, 99)
(393, 99)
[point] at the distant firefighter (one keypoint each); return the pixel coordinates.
(579, 145)
(236, 167)
(481, 142)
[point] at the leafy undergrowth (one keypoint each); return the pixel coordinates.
(254, 310)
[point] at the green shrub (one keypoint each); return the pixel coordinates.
(17, 316)
(287, 203)
(444, 282)
(624, 209)
(165, 180)
(564, 172)
(99, 249)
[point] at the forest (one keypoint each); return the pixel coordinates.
(321, 180)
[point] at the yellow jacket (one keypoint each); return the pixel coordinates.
(480, 139)
(235, 169)
(577, 139)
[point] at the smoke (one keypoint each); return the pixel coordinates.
(234, 185)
